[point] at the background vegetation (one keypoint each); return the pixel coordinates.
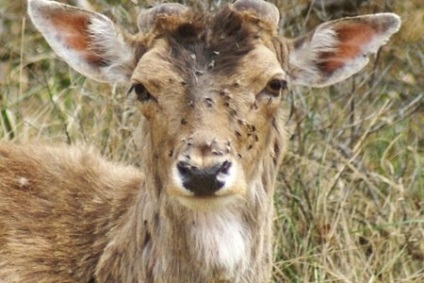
(350, 195)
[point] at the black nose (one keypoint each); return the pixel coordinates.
(202, 181)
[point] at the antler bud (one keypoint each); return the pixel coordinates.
(262, 9)
(146, 17)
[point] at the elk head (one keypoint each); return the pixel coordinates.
(210, 86)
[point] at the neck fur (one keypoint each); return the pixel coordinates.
(159, 240)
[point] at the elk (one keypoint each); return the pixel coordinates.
(210, 87)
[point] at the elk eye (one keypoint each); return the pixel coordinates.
(275, 86)
(142, 94)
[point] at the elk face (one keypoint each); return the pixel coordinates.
(213, 123)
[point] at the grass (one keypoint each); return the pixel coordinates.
(350, 195)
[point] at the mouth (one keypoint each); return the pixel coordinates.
(207, 203)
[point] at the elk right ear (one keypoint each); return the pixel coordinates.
(89, 42)
(338, 49)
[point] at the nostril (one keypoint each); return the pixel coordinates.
(225, 167)
(184, 168)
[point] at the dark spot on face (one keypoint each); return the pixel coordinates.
(217, 152)
(209, 102)
(183, 121)
(226, 95)
(276, 153)
(147, 239)
(171, 153)
(276, 148)
(251, 128)
(238, 134)
(227, 98)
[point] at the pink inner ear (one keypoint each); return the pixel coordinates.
(352, 39)
(73, 32)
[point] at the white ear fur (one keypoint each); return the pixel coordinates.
(338, 49)
(89, 42)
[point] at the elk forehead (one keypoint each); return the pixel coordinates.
(164, 75)
(191, 46)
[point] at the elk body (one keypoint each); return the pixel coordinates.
(210, 88)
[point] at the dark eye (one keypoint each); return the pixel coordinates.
(275, 86)
(142, 94)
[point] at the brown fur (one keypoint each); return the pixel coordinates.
(207, 95)
(58, 205)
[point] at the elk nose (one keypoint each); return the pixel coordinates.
(203, 181)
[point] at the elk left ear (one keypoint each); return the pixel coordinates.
(89, 42)
(338, 49)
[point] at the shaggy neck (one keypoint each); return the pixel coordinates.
(229, 245)
(162, 241)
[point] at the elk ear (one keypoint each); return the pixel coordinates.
(338, 49)
(89, 42)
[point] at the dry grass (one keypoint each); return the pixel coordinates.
(350, 196)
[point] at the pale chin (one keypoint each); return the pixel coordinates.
(210, 203)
